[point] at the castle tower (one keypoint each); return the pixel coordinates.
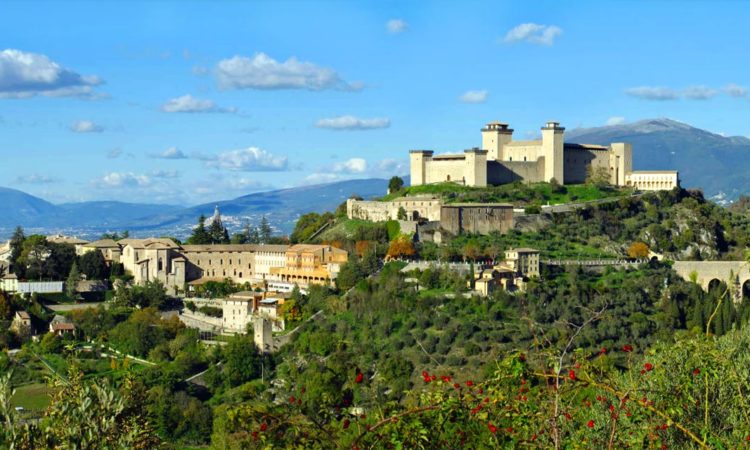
(494, 137)
(552, 150)
(418, 160)
(475, 171)
(621, 162)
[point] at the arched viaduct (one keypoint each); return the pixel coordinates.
(734, 273)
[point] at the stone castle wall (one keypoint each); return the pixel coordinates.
(479, 218)
(374, 211)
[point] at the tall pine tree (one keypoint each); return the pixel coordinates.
(200, 235)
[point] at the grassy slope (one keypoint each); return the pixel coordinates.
(516, 193)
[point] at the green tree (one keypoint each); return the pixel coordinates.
(59, 261)
(72, 282)
(34, 252)
(200, 236)
(218, 233)
(242, 361)
(395, 184)
(82, 414)
(264, 231)
(6, 307)
(93, 265)
(139, 334)
(350, 274)
(16, 247)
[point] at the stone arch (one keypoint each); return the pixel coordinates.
(713, 283)
(745, 287)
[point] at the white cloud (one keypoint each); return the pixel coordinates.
(699, 92)
(390, 166)
(474, 96)
(166, 174)
(251, 159)
(86, 126)
(320, 178)
(36, 178)
(24, 75)
(171, 153)
(653, 93)
(122, 179)
(615, 120)
(353, 123)
(189, 104)
(263, 72)
(533, 33)
(396, 26)
(734, 90)
(353, 165)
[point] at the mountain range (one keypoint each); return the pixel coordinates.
(91, 219)
(717, 164)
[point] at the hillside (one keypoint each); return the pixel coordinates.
(717, 164)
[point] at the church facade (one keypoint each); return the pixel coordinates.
(502, 160)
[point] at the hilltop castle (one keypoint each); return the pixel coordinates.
(502, 160)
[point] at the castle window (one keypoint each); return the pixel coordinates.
(448, 178)
(524, 158)
(160, 265)
(510, 158)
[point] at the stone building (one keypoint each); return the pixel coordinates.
(480, 218)
(240, 262)
(109, 248)
(176, 266)
(415, 208)
(520, 264)
(456, 218)
(311, 264)
(237, 310)
(502, 160)
(22, 323)
(524, 261)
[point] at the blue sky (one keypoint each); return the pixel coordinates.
(194, 101)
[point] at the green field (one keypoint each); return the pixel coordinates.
(31, 396)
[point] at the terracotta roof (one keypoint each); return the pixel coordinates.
(235, 248)
(103, 243)
(63, 327)
(150, 243)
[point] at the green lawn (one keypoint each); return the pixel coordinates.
(32, 396)
(519, 194)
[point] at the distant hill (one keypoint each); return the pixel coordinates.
(20, 208)
(90, 219)
(281, 207)
(717, 164)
